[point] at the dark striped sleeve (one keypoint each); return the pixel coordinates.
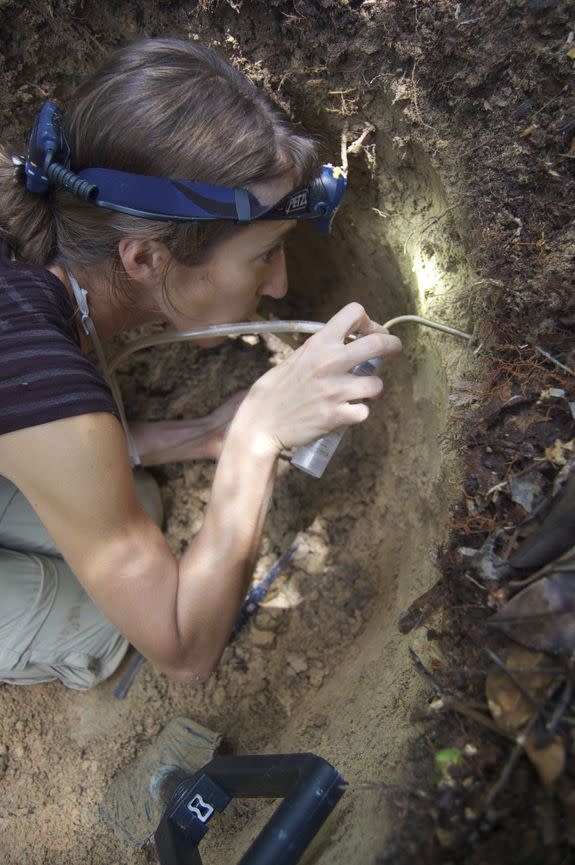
(44, 375)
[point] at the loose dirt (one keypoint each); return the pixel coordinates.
(459, 122)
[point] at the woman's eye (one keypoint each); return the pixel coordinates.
(268, 256)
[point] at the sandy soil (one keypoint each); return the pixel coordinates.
(456, 208)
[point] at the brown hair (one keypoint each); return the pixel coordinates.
(163, 107)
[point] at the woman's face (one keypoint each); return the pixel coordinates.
(241, 270)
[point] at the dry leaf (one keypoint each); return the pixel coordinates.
(422, 608)
(553, 530)
(485, 560)
(551, 393)
(508, 705)
(560, 452)
(542, 616)
(526, 489)
(549, 760)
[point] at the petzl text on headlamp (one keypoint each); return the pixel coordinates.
(160, 198)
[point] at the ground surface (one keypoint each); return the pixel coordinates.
(460, 205)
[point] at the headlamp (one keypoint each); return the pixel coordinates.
(165, 199)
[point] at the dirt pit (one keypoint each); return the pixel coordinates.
(322, 667)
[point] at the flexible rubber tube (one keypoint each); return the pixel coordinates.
(242, 328)
(446, 328)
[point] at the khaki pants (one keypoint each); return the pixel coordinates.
(49, 626)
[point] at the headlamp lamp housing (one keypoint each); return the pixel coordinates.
(47, 144)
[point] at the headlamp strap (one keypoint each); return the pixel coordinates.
(149, 197)
(243, 206)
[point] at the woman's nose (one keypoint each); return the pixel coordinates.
(276, 282)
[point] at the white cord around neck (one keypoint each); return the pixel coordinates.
(81, 296)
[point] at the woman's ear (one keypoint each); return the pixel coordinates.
(144, 261)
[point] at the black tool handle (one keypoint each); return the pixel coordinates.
(310, 786)
(299, 817)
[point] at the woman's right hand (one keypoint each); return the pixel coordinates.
(314, 390)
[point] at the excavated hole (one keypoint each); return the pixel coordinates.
(323, 667)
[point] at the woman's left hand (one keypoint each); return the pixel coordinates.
(160, 442)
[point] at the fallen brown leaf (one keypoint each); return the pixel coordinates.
(542, 616)
(513, 701)
(549, 760)
(420, 609)
(560, 452)
(553, 530)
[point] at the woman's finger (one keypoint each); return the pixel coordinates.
(352, 318)
(373, 345)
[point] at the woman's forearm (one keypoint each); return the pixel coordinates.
(215, 572)
(161, 442)
(166, 441)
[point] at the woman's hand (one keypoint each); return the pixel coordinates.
(160, 442)
(314, 391)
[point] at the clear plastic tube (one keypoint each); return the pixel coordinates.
(240, 328)
(314, 457)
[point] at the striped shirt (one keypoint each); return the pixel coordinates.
(44, 375)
